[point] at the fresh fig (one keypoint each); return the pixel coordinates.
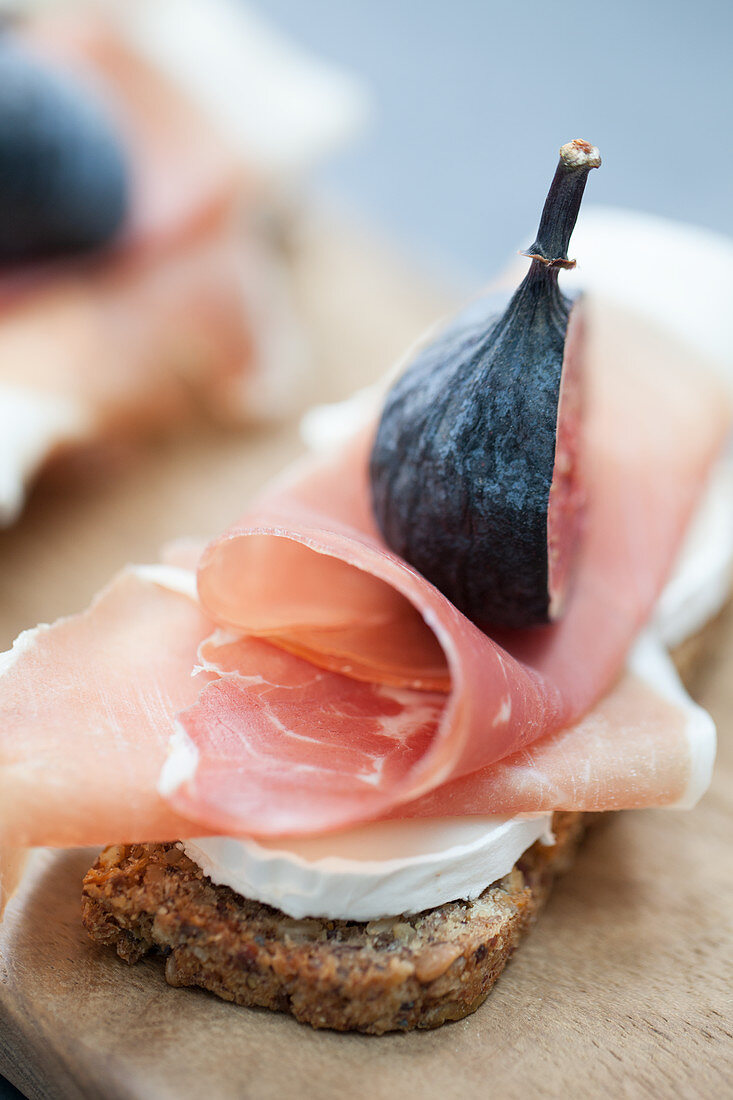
(63, 173)
(476, 466)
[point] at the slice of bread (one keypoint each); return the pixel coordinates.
(387, 975)
(395, 974)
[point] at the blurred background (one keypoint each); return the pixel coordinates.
(470, 101)
(473, 97)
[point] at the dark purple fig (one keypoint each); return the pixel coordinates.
(475, 469)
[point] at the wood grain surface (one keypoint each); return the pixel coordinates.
(622, 990)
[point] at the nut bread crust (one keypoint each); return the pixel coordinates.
(395, 974)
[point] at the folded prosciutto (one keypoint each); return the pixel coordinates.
(332, 684)
(307, 571)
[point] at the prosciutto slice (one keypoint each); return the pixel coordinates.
(306, 570)
(275, 740)
(644, 744)
(334, 685)
(87, 711)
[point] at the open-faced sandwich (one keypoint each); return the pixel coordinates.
(143, 149)
(341, 752)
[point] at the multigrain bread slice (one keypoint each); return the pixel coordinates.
(395, 974)
(387, 975)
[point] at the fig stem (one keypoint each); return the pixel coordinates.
(562, 204)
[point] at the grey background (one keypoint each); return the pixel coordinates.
(472, 100)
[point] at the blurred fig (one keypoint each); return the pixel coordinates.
(63, 175)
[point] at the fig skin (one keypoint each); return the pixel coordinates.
(464, 456)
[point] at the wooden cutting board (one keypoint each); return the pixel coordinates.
(624, 987)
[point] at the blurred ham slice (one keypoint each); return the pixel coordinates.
(168, 320)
